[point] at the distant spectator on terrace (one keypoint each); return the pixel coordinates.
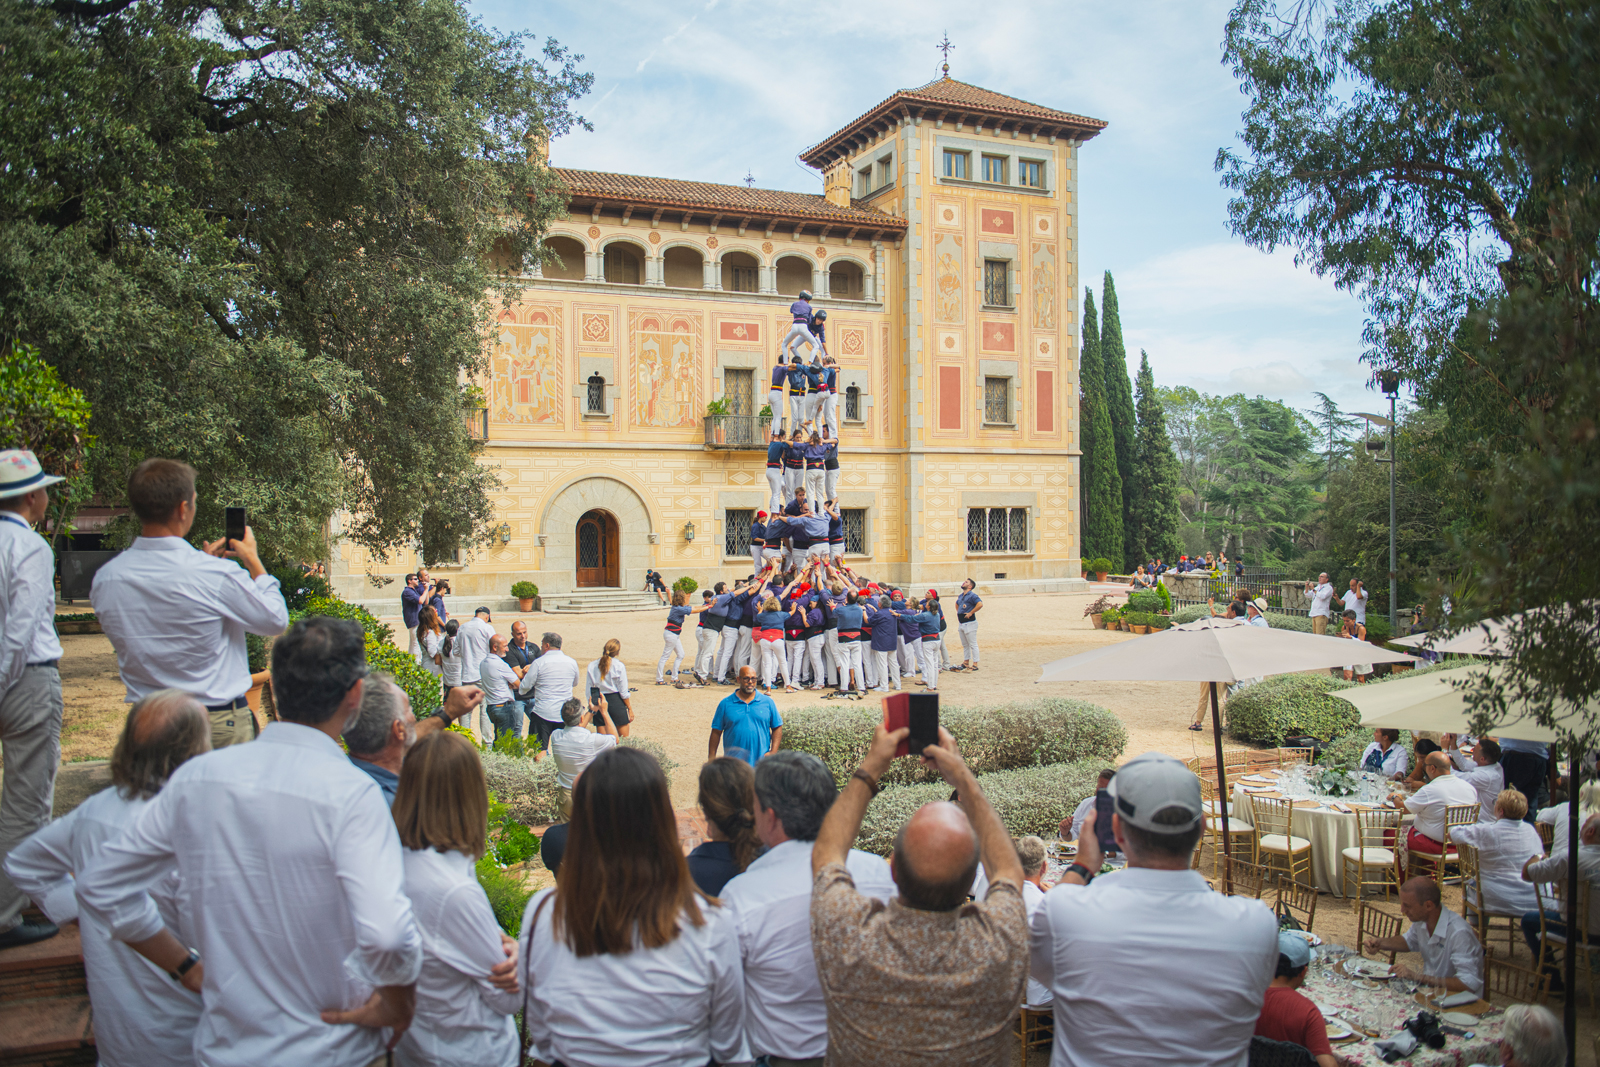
(1141, 580)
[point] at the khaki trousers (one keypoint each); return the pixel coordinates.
(232, 726)
(30, 733)
(1204, 707)
(1319, 624)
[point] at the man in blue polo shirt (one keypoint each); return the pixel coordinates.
(749, 719)
(968, 604)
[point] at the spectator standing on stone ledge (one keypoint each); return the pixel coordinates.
(176, 615)
(30, 681)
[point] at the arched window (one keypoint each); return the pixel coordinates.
(846, 281)
(683, 268)
(596, 395)
(568, 262)
(741, 273)
(794, 274)
(624, 265)
(852, 404)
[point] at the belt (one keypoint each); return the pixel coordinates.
(232, 705)
(44, 663)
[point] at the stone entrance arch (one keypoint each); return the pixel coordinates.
(622, 504)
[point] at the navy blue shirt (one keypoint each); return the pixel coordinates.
(884, 629)
(814, 374)
(758, 532)
(711, 865)
(835, 530)
(819, 330)
(794, 455)
(794, 507)
(815, 455)
(848, 616)
(775, 451)
(675, 616)
(772, 620)
(779, 375)
(410, 606)
(797, 380)
(387, 780)
(964, 605)
(909, 628)
(777, 530)
(832, 462)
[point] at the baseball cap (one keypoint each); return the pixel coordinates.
(484, 612)
(1294, 947)
(1151, 784)
(1261, 604)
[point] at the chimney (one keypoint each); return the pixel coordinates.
(538, 146)
(836, 184)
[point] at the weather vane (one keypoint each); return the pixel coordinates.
(750, 179)
(945, 46)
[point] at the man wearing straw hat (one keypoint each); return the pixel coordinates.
(30, 684)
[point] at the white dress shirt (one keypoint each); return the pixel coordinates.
(1556, 818)
(615, 681)
(498, 680)
(1451, 951)
(674, 1006)
(1355, 603)
(1395, 760)
(428, 649)
(27, 610)
(1553, 868)
(1503, 847)
(292, 875)
(550, 681)
(177, 618)
(461, 1018)
(1152, 967)
(1321, 598)
(1085, 806)
(451, 667)
(770, 905)
(474, 636)
(574, 748)
(1037, 997)
(1428, 804)
(141, 1016)
(1487, 781)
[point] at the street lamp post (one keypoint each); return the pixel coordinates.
(1389, 381)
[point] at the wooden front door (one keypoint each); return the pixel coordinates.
(597, 550)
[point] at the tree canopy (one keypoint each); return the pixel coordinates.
(263, 239)
(1100, 495)
(1153, 497)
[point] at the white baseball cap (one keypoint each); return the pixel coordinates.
(1150, 784)
(20, 473)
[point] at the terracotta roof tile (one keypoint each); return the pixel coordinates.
(729, 199)
(951, 93)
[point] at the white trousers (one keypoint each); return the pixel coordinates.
(706, 651)
(814, 654)
(673, 652)
(888, 669)
(814, 407)
(776, 496)
(815, 485)
(775, 402)
(969, 641)
(830, 643)
(847, 658)
(798, 332)
(830, 483)
(907, 656)
(797, 411)
(930, 663)
(732, 636)
(771, 661)
(755, 556)
(793, 478)
(744, 653)
(869, 662)
(796, 659)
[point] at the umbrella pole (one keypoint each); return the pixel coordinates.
(1222, 796)
(1569, 1011)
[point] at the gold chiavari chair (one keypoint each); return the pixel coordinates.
(1276, 845)
(1370, 862)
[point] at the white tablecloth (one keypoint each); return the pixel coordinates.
(1329, 831)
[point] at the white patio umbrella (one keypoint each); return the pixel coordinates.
(1483, 639)
(1434, 702)
(1215, 650)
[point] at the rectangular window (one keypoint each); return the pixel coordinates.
(997, 530)
(994, 168)
(996, 283)
(997, 400)
(956, 164)
(852, 405)
(744, 279)
(738, 388)
(1030, 173)
(596, 395)
(736, 531)
(855, 530)
(863, 181)
(885, 171)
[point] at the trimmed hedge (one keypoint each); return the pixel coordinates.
(528, 788)
(1033, 733)
(382, 654)
(1346, 751)
(1297, 623)
(1031, 800)
(1291, 704)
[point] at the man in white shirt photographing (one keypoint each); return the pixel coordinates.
(176, 615)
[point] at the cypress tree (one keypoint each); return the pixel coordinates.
(1153, 496)
(1099, 481)
(1119, 398)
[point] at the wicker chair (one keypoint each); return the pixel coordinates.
(1433, 866)
(1371, 863)
(1035, 1029)
(1552, 943)
(1472, 909)
(1372, 921)
(1276, 845)
(1289, 756)
(1296, 899)
(1514, 983)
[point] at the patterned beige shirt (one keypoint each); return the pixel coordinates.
(907, 987)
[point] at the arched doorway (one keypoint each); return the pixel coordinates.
(597, 550)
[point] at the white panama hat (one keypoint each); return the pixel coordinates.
(20, 473)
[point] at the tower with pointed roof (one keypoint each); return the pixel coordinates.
(624, 387)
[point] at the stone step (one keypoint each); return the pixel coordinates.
(49, 968)
(601, 600)
(55, 1032)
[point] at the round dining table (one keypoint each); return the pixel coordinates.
(1367, 1007)
(1329, 829)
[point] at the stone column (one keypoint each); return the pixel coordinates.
(593, 267)
(768, 281)
(711, 275)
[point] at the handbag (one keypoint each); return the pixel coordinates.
(522, 1025)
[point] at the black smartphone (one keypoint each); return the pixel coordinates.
(233, 524)
(923, 720)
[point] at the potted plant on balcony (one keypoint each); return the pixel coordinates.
(527, 595)
(718, 410)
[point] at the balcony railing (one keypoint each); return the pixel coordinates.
(746, 433)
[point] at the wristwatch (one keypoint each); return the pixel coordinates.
(183, 968)
(1081, 871)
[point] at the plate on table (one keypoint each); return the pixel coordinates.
(1370, 969)
(1459, 1018)
(1311, 939)
(1471, 1009)
(1338, 1030)
(1256, 778)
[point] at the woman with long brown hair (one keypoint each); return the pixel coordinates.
(441, 809)
(430, 641)
(608, 682)
(625, 962)
(728, 801)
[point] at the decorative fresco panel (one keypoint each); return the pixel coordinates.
(997, 220)
(664, 378)
(525, 366)
(949, 264)
(739, 332)
(1043, 269)
(997, 336)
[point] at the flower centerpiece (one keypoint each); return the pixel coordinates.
(1336, 782)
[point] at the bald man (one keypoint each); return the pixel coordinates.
(912, 951)
(1430, 804)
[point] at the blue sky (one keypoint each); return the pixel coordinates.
(710, 90)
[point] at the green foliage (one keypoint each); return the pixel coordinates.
(528, 788)
(1099, 565)
(1101, 498)
(1124, 420)
(1111, 616)
(1378, 631)
(382, 655)
(507, 894)
(1166, 596)
(343, 609)
(298, 587)
(1345, 750)
(1151, 528)
(1159, 622)
(510, 841)
(1299, 704)
(1023, 734)
(262, 239)
(1136, 618)
(41, 414)
(1144, 600)
(524, 590)
(685, 585)
(1031, 800)
(719, 406)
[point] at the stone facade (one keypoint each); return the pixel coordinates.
(945, 252)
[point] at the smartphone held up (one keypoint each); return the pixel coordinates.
(919, 712)
(233, 525)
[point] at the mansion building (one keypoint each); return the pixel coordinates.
(944, 249)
